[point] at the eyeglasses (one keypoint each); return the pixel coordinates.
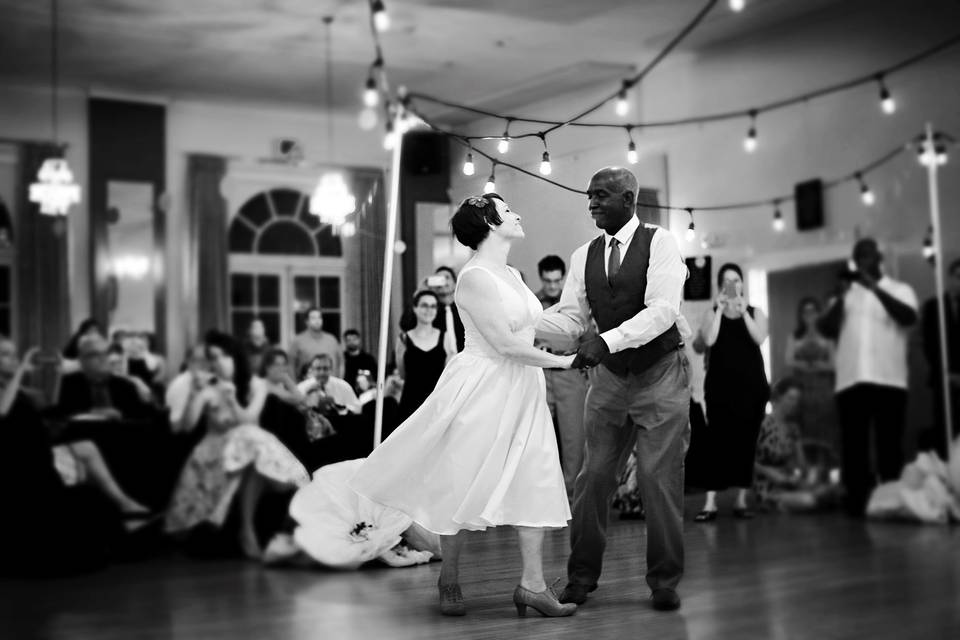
(426, 306)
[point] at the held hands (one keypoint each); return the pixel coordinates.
(590, 353)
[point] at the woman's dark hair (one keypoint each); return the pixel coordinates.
(241, 366)
(474, 215)
(782, 386)
(70, 351)
(801, 329)
(730, 266)
(422, 293)
(270, 357)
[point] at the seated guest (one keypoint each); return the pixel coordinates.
(183, 393)
(332, 393)
(228, 363)
(285, 413)
(256, 344)
(35, 489)
(355, 359)
(115, 363)
(782, 478)
(95, 390)
(142, 362)
(234, 464)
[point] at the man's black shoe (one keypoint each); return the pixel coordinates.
(665, 600)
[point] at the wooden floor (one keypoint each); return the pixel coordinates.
(778, 576)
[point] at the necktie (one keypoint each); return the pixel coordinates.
(613, 263)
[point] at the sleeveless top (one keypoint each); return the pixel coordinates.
(522, 311)
(735, 359)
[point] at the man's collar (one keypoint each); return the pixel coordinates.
(625, 233)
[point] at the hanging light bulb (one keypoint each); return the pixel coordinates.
(632, 156)
(468, 168)
(623, 105)
(331, 200)
(940, 153)
(390, 137)
(545, 167)
(866, 195)
(750, 142)
(381, 20)
(504, 145)
(491, 184)
(737, 5)
(370, 94)
(929, 252)
(348, 229)
(887, 104)
(691, 234)
(778, 224)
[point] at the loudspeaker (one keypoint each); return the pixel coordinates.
(808, 197)
(697, 285)
(425, 153)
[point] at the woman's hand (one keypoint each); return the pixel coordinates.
(738, 304)
(567, 361)
(722, 301)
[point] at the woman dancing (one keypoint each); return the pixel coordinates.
(480, 451)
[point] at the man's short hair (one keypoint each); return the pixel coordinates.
(551, 263)
(350, 332)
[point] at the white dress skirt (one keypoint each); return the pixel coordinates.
(481, 451)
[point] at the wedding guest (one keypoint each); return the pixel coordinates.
(116, 363)
(256, 343)
(735, 389)
(443, 283)
(936, 439)
(872, 316)
(810, 356)
(142, 362)
(421, 354)
(313, 341)
(335, 393)
(566, 388)
(95, 390)
(71, 355)
(183, 393)
(355, 358)
(782, 477)
(284, 413)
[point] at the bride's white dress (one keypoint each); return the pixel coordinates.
(481, 451)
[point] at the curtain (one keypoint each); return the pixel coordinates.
(41, 271)
(208, 275)
(371, 233)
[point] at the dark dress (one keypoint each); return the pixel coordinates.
(736, 393)
(423, 369)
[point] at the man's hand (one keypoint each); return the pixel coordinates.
(591, 353)
(866, 280)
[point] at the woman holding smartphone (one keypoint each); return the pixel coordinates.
(735, 389)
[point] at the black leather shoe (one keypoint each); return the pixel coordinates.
(705, 516)
(576, 593)
(665, 600)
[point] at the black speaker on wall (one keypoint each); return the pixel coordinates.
(425, 153)
(808, 197)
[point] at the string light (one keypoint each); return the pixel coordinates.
(750, 142)
(691, 234)
(381, 20)
(370, 94)
(632, 156)
(778, 224)
(504, 145)
(623, 105)
(866, 195)
(929, 251)
(887, 103)
(491, 184)
(545, 167)
(737, 5)
(468, 168)
(390, 138)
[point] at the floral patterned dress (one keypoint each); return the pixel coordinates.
(777, 448)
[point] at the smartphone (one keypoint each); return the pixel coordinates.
(730, 289)
(436, 281)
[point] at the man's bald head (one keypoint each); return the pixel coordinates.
(613, 198)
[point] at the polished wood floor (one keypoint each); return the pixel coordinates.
(779, 577)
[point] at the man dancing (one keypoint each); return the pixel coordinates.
(629, 280)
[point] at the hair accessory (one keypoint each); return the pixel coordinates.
(478, 201)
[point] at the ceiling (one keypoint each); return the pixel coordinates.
(492, 53)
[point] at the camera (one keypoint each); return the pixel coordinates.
(436, 281)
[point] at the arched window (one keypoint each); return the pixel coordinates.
(278, 222)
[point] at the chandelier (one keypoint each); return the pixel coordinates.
(331, 200)
(55, 191)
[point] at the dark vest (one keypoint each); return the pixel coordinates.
(612, 304)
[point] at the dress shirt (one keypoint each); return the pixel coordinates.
(872, 347)
(338, 389)
(666, 273)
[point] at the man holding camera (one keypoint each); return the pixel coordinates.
(871, 318)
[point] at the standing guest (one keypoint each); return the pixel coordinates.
(782, 478)
(735, 389)
(931, 348)
(421, 355)
(872, 317)
(355, 358)
(256, 343)
(566, 388)
(443, 283)
(811, 356)
(313, 341)
(629, 282)
(95, 390)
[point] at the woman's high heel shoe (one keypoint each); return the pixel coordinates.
(451, 600)
(544, 602)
